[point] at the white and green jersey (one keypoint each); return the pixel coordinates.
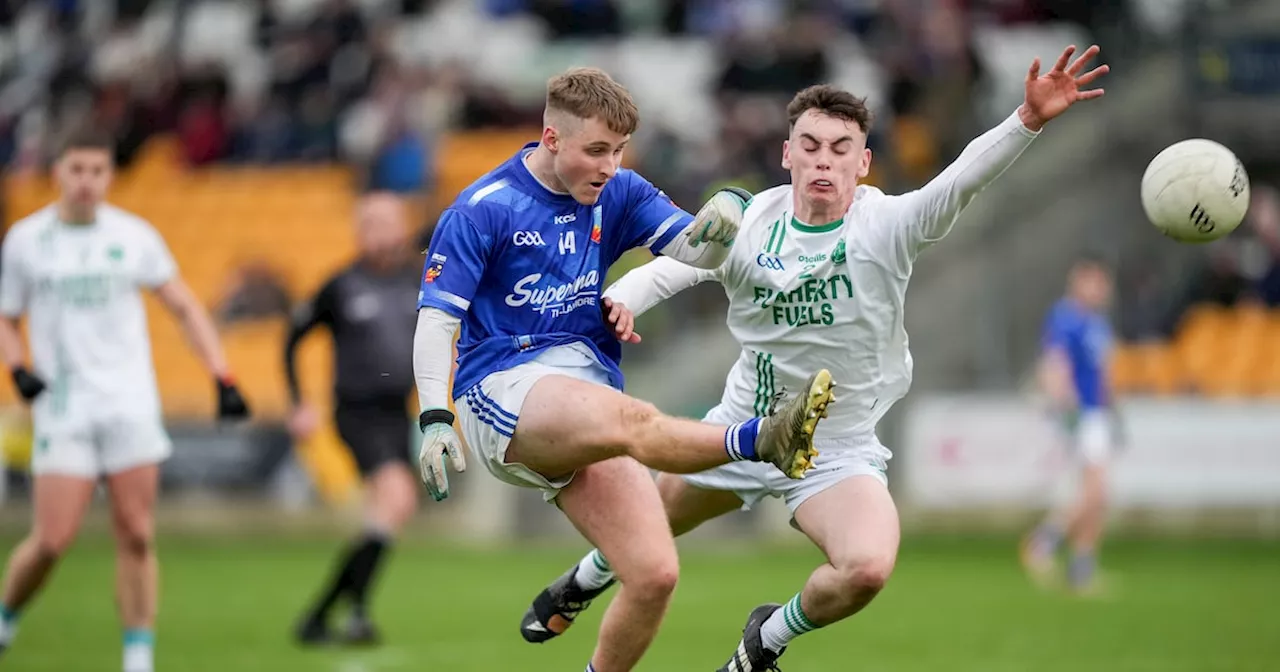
(79, 286)
(805, 296)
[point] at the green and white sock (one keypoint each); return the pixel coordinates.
(139, 650)
(8, 625)
(593, 571)
(785, 625)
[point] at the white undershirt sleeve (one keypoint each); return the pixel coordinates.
(705, 255)
(433, 356)
(934, 208)
(655, 282)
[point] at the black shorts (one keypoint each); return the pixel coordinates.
(376, 433)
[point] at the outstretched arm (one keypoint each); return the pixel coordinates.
(655, 282)
(703, 240)
(933, 209)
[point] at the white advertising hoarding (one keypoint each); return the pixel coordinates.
(982, 451)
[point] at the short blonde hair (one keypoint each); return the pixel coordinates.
(591, 92)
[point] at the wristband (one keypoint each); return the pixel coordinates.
(434, 415)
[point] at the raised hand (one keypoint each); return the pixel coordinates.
(1050, 94)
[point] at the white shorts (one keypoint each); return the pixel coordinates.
(98, 446)
(1094, 436)
(488, 412)
(838, 460)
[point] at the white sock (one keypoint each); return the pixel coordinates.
(139, 651)
(139, 658)
(785, 625)
(593, 571)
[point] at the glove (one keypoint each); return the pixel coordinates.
(720, 217)
(231, 405)
(438, 440)
(29, 384)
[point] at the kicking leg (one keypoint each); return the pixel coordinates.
(133, 498)
(620, 425)
(555, 608)
(855, 523)
(615, 505)
(59, 504)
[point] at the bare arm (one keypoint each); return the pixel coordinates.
(15, 287)
(11, 343)
(1053, 374)
(196, 324)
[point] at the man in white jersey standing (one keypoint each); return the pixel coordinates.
(75, 269)
(819, 274)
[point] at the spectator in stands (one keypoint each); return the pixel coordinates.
(1264, 218)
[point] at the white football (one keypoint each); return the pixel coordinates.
(1195, 191)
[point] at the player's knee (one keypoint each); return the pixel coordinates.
(865, 576)
(134, 537)
(655, 582)
(629, 433)
(52, 546)
(402, 506)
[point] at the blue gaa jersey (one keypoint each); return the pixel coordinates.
(523, 267)
(1085, 338)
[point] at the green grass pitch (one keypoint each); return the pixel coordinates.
(230, 603)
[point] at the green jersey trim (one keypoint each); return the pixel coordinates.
(823, 228)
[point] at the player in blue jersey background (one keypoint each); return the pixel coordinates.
(517, 263)
(1077, 345)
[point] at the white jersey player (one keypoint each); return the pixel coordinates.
(819, 273)
(76, 268)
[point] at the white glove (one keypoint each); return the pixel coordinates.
(438, 440)
(719, 218)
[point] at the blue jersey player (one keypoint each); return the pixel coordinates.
(517, 262)
(1073, 375)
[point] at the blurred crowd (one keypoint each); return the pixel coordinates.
(334, 87)
(339, 81)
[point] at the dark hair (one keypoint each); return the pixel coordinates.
(833, 102)
(88, 138)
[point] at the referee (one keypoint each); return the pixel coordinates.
(370, 308)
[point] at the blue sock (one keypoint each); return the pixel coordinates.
(1081, 569)
(7, 615)
(590, 668)
(740, 440)
(141, 636)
